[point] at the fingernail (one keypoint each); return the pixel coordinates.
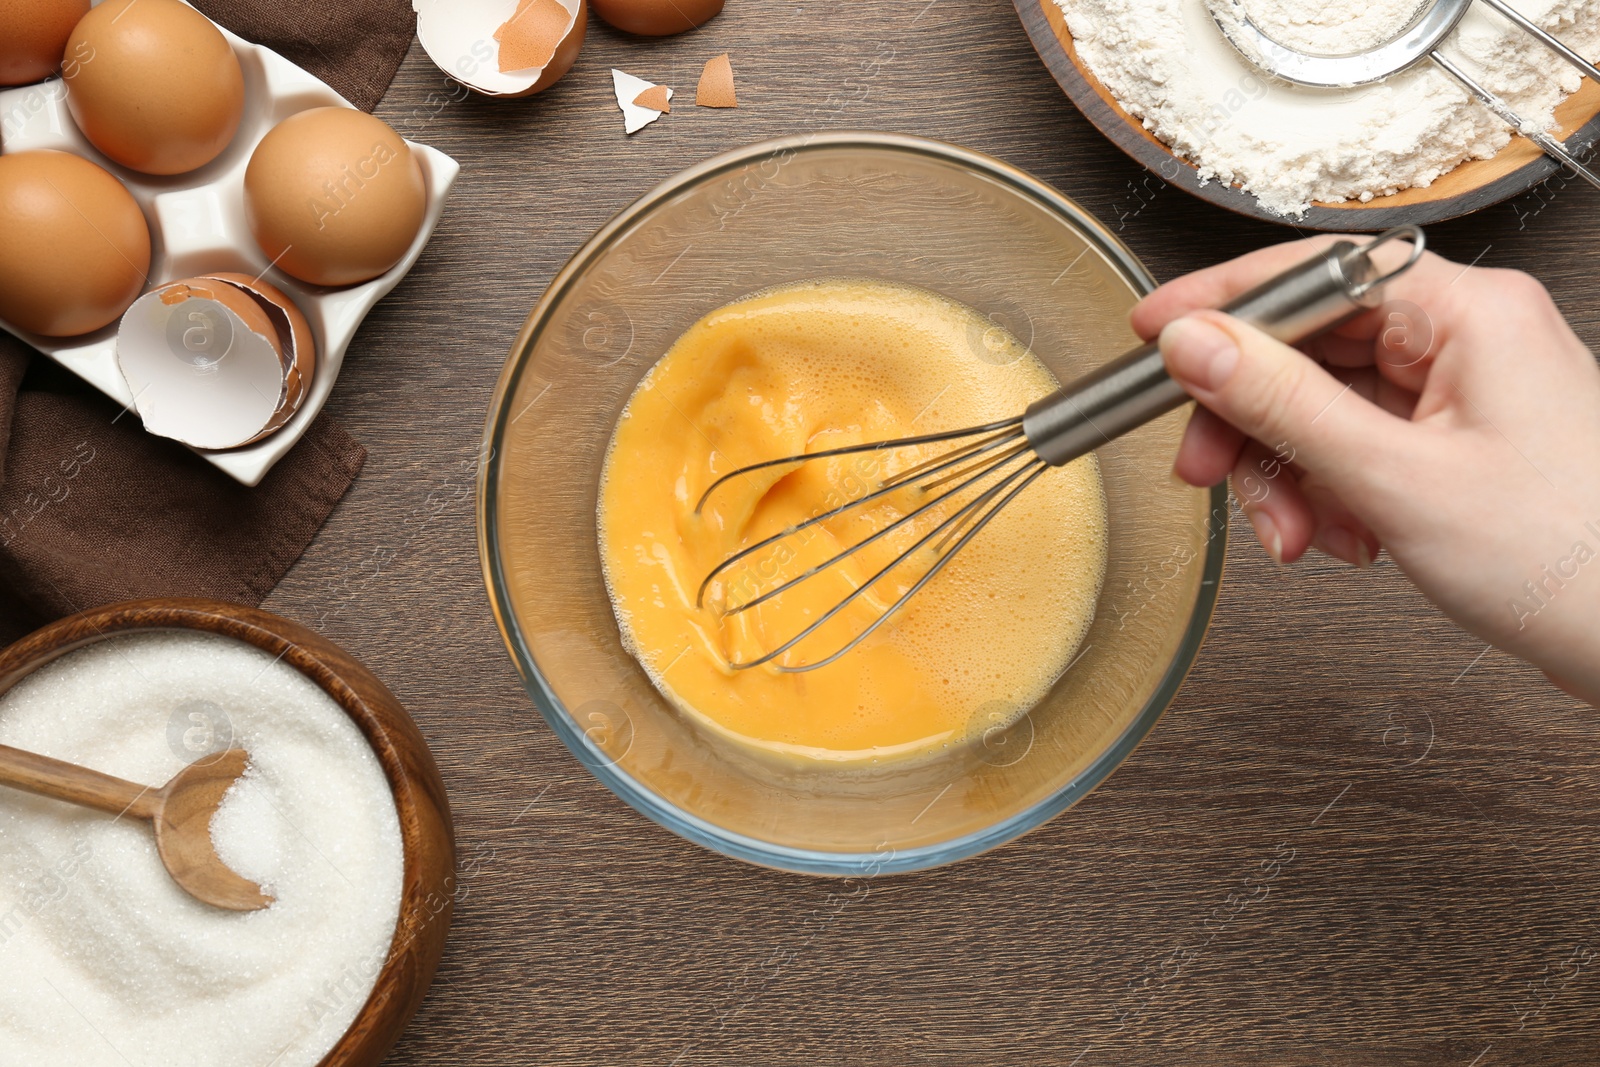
(1344, 543)
(1267, 533)
(1341, 544)
(1199, 352)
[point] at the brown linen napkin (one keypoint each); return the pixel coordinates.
(93, 509)
(353, 45)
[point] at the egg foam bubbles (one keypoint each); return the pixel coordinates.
(803, 369)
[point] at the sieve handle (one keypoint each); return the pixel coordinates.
(1552, 147)
(1555, 44)
(1329, 288)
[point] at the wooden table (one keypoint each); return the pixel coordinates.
(1432, 807)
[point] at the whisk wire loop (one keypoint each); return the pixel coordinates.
(1028, 472)
(1008, 431)
(849, 450)
(990, 467)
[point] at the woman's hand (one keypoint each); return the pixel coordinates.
(1457, 426)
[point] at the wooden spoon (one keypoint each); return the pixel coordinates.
(181, 811)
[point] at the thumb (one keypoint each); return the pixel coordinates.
(1274, 393)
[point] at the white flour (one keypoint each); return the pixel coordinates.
(104, 961)
(1169, 65)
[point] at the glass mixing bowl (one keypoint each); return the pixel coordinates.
(903, 210)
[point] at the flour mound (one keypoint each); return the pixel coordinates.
(1169, 65)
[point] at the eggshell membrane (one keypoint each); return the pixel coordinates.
(162, 91)
(174, 293)
(334, 196)
(459, 36)
(76, 248)
(656, 18)
(33, 36)
(298, 345)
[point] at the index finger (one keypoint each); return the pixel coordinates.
(1215, 286)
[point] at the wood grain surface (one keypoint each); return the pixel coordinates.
(1428, 813)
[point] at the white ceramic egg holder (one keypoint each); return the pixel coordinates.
(197, 226)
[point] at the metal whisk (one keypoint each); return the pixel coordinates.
(990, 465)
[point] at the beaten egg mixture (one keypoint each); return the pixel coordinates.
(808, 368)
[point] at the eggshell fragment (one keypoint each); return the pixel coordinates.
(480, 42)
(656, 98)
(657, 18)
(716, 83)
(529, 39)
(216, 362)
(629, 89)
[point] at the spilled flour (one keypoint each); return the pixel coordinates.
(1168, 65)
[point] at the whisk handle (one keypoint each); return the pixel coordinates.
(1317, 295)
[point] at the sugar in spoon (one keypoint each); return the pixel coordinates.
(180, 811)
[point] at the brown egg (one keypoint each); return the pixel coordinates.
(33, 35)
(163, 93)
(76, 247)
(656, 18)
(334, 196)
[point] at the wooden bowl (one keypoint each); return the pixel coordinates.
(1474, 185)
(428, 888)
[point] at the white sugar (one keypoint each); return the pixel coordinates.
(103, 960)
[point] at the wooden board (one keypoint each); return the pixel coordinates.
(1417, 909)
(1474, 185)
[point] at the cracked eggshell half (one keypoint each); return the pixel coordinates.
(216, 362)
(464, 39)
